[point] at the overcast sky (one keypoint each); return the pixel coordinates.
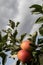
(18, 10)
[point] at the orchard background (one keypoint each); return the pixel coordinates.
(10, 35)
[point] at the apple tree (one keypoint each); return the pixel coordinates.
(10, 41)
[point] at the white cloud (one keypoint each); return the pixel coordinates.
(8, 10)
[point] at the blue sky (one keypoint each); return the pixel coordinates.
(18, 10)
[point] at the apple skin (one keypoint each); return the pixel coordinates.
(25, 45)
(24, 56)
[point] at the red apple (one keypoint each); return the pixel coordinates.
(24, 56)
(25, 45)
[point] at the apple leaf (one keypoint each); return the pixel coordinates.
(39, 20)
(4, 57)
(11, 24)
(0, 37)
(15, 34)
(4, 38)
(40, 41)
(22, 36)
(14, 51)
(37, 8)
(13, 37)
(41, 30)
(18, 62)
(17, 24)
(34, 36)
(5, 31)
(30, 63)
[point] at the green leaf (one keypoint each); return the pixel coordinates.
(33, 46)
(30, 37)
(0, 37)
(4, 57)
(3, 42)
(11, 24)
(39, 20)
(1, 45)
(30, 63)
(22, 37)
(18, 62)
(41, 30)
(15, 49)
(41, 44)
(40, 41)
(17, 24)
(9, 30)
(13, 37)
(5, 31)
(4, 38)
(37, 8)
(34, 36)
(15, 33)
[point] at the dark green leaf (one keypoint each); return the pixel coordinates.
(4, 56)
(0, 37)
(34, 36)
(41, 45)
(41, 30)
(3, 42)
(12, 24)
(37, 8)
(17, 24)
(7, 49)
(40, 41)
(4, 38)
(15, 33)
(9, 31)
(1, 45)
(41, 50)
(39, 20)
(33, 45)
(4, 31)
(37, 60)
(30, 63)
(15, 49)
(13, 37)
(18, 62)
(22, 36)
